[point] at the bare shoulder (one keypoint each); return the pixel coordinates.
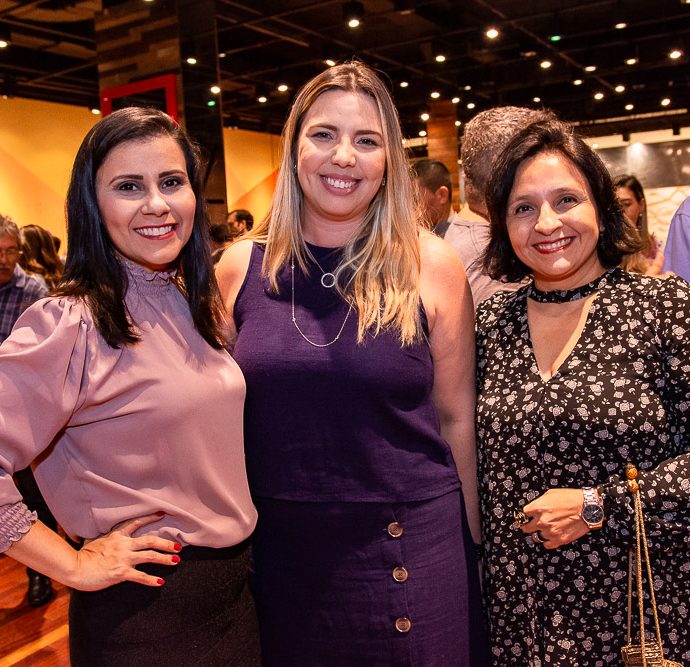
(439, 262)
(232, 268)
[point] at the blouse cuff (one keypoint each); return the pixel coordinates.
(15, 522)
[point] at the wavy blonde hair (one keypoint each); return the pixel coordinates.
(379, 272)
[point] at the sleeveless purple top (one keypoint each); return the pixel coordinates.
(346, 422)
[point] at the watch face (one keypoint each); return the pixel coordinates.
(592, 514)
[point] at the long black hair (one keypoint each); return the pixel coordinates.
(93, 271)
(617, 239)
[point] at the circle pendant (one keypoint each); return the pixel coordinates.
(328, 280)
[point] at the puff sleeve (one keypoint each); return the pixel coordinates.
(41, 369)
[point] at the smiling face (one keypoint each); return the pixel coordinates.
(632, 207)
(146, 201)
(552, 222)
(341, 160)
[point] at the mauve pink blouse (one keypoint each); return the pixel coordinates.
(116, 434)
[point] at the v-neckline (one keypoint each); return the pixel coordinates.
(567, 360)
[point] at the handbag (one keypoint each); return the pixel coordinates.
(646, 653)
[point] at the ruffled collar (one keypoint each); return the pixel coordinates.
(146, 281)
(575, 294)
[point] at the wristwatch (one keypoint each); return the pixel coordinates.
(592, 508)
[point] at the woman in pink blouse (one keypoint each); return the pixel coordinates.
(120, 391)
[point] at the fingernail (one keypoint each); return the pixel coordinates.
(160, 513)
(175, 559)
(160, 582)
(178, 547)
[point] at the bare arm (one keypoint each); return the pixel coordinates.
(230, 273)
(448, 303)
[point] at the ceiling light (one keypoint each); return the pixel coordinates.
(440, 58)
(404, 84)
(620, 88)
(211, 103)
(665, 102)
(435, 94)
(591, 68)
(620, 25)
(471, 105)
(330, 62)
(95, 111)
(455, 100)
(458, 123)
(192, 60)
(5, 37)
(492, 33)
(221, 54)
(536, 100)
(631, 61)
(545, 64)
(595, 145)
(468, 87)
(528, 54)
(4, 43)
(629, 107)
(262, 100)
(215, 89)
(555, 38)
(675, 54)
(282, 87)
(353, 13)
(598, 96)
(425, 117)
(578, 82)
(422, 133)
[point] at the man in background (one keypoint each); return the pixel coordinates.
(241, 221)
(436, 193)
(18, 291)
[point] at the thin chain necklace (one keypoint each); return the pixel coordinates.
(294, 320)
(328, 278)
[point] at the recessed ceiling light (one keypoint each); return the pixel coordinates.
(545, 64)
(404, 84)
(536, 100)
(211, 103)
(353, 13)
(422, 133)
(620, 25)
(468, 87)
(598, 96)
(215, 89)
(353, 23)
(578, 82)
(192, 60)
(675, 54)
(330, 62)
(458, 123)
(455, 100)
(435, 94)
(595, 145)
(440, 58)
(492, 33)
(629, 107)
(620, 88)
(4, 43)
(221, 54)
(471, 105)
(665, 102)
(591, 68)
(555, 38)
(262, 100)
(528, 54)
(95, 111)
(424, 117)
(282, 87)
(631, 61)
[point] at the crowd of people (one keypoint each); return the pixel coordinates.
(295, 442)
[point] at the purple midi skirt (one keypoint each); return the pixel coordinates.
(367, 584)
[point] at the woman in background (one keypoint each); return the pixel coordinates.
(581, 371)
(355, 334)
(630, 194)
(39, 255)
(120, 390)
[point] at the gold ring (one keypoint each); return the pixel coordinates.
(520, 519)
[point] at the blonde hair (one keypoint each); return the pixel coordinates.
(379, 272)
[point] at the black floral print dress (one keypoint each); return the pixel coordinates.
(623, 394)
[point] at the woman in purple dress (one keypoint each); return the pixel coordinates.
(355, 333)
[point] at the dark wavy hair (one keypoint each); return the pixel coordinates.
(39, 254)
(617, 239)
(93, 271)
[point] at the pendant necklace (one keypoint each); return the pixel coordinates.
(327, 278)
(294, 320)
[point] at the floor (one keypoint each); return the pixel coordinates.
(30, 637)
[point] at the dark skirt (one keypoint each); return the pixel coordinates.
(367, 584)
(203, 615)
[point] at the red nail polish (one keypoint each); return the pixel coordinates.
(178, 547)
(175, 559)
(160, 513)
(160, 582)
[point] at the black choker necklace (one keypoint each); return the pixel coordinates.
(563, 296)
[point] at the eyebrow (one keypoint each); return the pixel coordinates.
(326, 126)
(139, 177)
